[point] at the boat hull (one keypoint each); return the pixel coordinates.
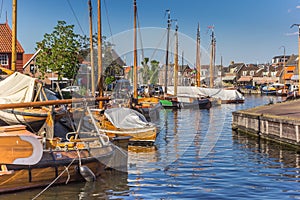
(52, 165)
(35, 117)
(19, 146)
(196, 103)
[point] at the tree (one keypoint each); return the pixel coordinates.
(154, 72)
(145, 71)
(59, 52)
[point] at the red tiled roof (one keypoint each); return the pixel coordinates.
(26, 58)
(245, 79)
(6, 40)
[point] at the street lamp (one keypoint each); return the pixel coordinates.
(298, 55)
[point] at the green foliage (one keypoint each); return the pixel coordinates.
(59, 51)
(109, 80)
(154, 72)
(145, 71)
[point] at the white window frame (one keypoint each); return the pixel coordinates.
(4, 59)
(244, 73)
(251, 73)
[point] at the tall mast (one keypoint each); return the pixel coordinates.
(176, 61)
(221, 70)
(212, 59)
(198, 64)
(92, 49)
(135, 95)
(100, 81)
(14, 36)
(167, 51)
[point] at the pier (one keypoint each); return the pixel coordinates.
(279, 122)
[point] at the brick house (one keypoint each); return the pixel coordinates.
(6, 49)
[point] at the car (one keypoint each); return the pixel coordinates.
(71, 89)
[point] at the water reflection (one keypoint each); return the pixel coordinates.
(108, 185)
(279, 155)
(197, 156)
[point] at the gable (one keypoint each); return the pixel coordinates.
(6, 40)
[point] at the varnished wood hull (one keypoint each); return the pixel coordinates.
(149, 107)
(145, 135)
(53, 164)
(19, 146)
(34, 117)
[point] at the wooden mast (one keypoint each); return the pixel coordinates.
(14, 36)
(167, 52)
(100, 78)
(176, 62)
(92, 49)
(135, 94)
(198, 64)
(212, 60)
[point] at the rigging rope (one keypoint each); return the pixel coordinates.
(65, 170)
(141, 41)
(75, 17)
(109, 26)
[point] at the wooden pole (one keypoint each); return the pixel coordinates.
(198, 64)
(14, 36)
(135, 94)
(211, 75)
(176, 62)
(100, 79)
(167, 53)
(92, 49)
(51, 102)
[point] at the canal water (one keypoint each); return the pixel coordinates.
(196, 156)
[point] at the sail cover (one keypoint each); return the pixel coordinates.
(126, 118)
(218, 93)
(17, 88)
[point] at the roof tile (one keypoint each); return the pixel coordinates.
(6, 40)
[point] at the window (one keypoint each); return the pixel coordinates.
(273, 74)
(244, 73)
(251, 73)
(3, 59)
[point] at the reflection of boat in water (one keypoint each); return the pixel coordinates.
(30, 160)
(124, 122)
(138, 156)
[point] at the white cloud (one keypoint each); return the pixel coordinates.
(291, 34)
(297, 7)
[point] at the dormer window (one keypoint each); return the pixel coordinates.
(252, 73)
(244, 73)
(3, 59)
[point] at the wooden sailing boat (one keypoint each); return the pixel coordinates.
(148, 106)
(171, 101)
(28, 160)
(106, 119)
(19, 88)
(191, 100)
(203, 93)
(76, 156)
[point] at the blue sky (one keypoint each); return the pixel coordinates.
(250, 31)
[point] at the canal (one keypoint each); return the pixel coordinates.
(196, 156)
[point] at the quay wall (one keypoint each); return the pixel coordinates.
(280, 129)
